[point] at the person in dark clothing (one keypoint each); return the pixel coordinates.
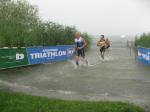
(80, 44)
(102, 44)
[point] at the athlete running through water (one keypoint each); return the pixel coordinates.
(80, 44)
(102, 44)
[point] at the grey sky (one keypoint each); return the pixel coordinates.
(109, 17)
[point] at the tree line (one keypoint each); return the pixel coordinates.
(21, 26)
(143, 40)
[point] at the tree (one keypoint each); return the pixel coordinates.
(21, 26)
(17, 21)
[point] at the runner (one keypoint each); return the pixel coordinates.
(80, 44)
(102, 44)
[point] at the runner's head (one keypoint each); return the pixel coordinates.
(102, 36)
(77, 35)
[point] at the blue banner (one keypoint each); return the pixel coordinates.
(144, 55)
(37, 55)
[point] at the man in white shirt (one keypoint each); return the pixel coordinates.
(80, 44)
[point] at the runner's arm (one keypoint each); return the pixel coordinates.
(85, 43)
(98, 43)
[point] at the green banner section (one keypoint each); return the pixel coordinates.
(13, 57)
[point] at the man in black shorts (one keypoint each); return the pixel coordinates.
(102, 44)
(80, 44)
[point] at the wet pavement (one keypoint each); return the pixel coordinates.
(119, 78)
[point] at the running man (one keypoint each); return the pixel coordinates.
(102, 44)
(80, 44)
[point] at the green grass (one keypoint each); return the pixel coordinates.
(17, 102)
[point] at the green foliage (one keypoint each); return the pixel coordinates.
(143, 41)
(21, 26)
(16, 102)
(16, 19)
(87, 39)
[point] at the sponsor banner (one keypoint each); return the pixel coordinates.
(144, 55)
(37, 55)
(13, 57)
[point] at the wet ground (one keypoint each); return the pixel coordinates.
(120, 77)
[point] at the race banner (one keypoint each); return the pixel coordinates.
(13, 57)
(144, 55)
(37, 55)
(17, 57)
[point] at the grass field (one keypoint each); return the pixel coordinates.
(18, 102)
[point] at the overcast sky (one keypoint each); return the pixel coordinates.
(110, 17)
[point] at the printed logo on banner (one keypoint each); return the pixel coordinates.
(70, 52)
(139, 53)
(149, 56)
(13, 57)
(19, 56)
(49, 54)
(144, 55)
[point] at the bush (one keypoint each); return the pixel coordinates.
(143, 40)
(21, 26)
